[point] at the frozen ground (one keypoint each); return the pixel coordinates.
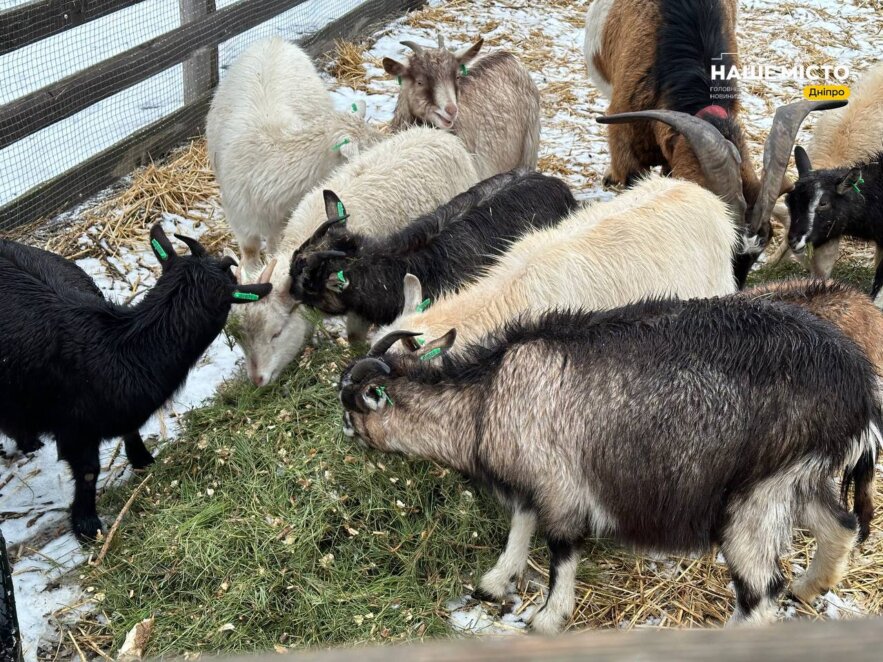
(548, 36)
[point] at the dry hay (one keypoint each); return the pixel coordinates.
(348, 65)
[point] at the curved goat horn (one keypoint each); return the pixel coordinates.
(267, 273)
(417, 48)
(777, 153)
(365, 367)
(322, 230)
(195, 247)
(717, 156)
(382, 346)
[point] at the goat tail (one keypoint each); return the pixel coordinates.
(861, 475)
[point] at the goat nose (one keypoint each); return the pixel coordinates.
(258, 379)
(451, 110)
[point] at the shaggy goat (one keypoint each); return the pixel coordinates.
(445, 249)
(669, 426)
(659, 54)
(403, 177)
(842, 138)
(83, 369)
(272, 135)
(665, 237)
(492, 103)
(722, 168)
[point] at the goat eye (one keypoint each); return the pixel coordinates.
(824, 204)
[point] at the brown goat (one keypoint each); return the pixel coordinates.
(490, 102)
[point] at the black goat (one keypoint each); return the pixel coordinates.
(828, 204)
(83, 369)
(666, 425)
(445, 249)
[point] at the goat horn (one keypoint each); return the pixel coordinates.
(382, 346)
(366, 366)
(717, 156)
(195, 247)
(417, 48)
(318, 256)
(777, 153)
(267, 273)
(441, 40)
(322, 230)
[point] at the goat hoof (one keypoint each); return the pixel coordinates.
(140, 462)
(546, 622)
(87, 527)
(485, 596)
(804, 591)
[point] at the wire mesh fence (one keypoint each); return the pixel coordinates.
(80, 78)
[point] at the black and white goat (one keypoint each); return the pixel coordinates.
(665, 425)
(832, 203)
(445, 249)
(83, 369)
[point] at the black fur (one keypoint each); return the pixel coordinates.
(691, 40)
(842, 210)
(671, 411)
(83, 369)
(445, 249)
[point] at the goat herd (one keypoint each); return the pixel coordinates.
(593, 365)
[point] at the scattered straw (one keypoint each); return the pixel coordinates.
(348, 66)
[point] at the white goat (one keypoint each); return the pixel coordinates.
(405, 176)
(273, 135)
(665, 237)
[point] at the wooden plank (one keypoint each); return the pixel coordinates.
(70, 95)
(36, 20)
(201, 69)
(854, 640)
(101, 170)
(359, 21)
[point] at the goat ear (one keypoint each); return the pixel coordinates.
(249, 293)
(466, 55)
(359, 108)
(394, 67)
(161, 246)
(438, 346)
(851, 181)
(413, 293)
(337, 282)
(334, 208)
(801, 160)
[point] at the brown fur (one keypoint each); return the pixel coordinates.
(630, 37)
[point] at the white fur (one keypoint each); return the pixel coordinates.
(513, 560)
(403, 177)
(271, 133)
(810, 216)
(558, 608)
(665, 237)
(596, 19)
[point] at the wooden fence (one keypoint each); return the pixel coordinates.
(194, 43)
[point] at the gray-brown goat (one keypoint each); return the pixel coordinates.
(490, 103)
(665, 425)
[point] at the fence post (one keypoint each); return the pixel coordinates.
(201, 69)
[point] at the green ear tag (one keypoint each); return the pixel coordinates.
(381, 393)
(431, 354)
(341, 211)
(245, 296)
(355, 108)
(423, 305)
(464, 70)
(342, 280)
(336, 148)
(420, 341)
(861, 180)
(159, 249)
(399, 80)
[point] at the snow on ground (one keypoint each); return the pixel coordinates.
(74, 139)
(35, 491)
